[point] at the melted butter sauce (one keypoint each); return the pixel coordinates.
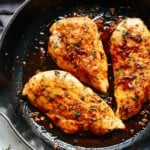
(38, 59)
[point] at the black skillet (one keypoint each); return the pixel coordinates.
(23, 51)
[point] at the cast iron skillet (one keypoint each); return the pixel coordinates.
(24, 39)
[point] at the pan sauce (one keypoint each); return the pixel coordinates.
(37, 59)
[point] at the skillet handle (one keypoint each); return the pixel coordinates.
(9, 132)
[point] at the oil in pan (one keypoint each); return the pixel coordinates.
(106, 20)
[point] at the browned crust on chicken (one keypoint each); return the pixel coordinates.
(130, 50)
(69, 104)
(75, 46)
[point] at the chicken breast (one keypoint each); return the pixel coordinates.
(69, 104)
(130, 50)
(75, 46)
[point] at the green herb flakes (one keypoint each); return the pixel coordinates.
(70, 45)
(93, 107)
(93, 53)
(136, 84)
(135, 98)
(77, 114)
(57, 73)
(104, 95)
(78, 43)
(125, 33)
(119, 70)
(55, 45)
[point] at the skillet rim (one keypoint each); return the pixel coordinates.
(118, 146)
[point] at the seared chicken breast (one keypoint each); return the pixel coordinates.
(75, 46)
(130, 50)
(69, 104)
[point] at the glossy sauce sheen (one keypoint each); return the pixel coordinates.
(38, 59)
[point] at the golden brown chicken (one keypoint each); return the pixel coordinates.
(130, 50)
(69, 104)
(75, 46)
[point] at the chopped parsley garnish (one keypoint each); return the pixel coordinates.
(118, 72)
(93, 53)
(135, 98)
(70, 45)
(77, 114)
(125, 33)
(93, 107)
(55, 45)
(57, 73)
(136, 84)
(104, 95)
(78, 43)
